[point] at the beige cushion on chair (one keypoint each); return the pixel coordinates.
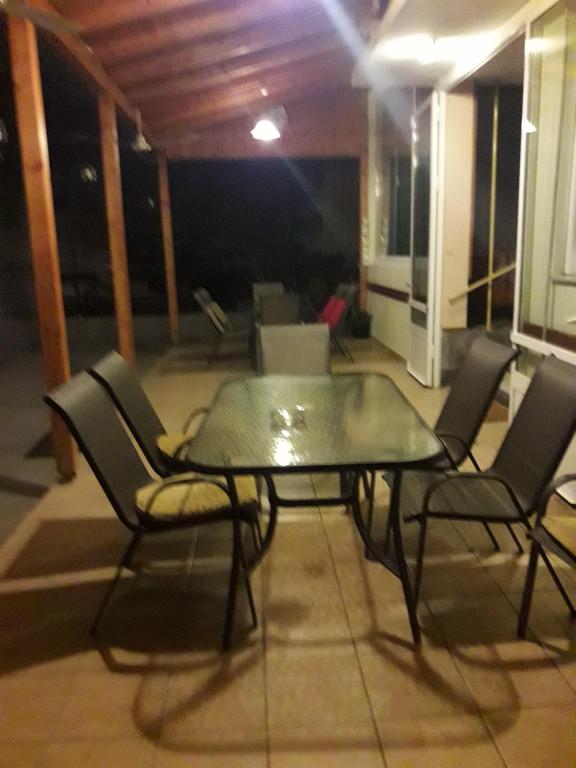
(192, 499)
(169, 444)
(563, 529)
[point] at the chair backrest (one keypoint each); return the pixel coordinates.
(202, 296)
(212, 310)
(280, 310)
(95, 425)
(540, 432)
(295, 349)
(472, 392)
(340, 321)
(125, 389)
(265, 289)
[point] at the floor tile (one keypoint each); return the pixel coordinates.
(102, 704)
(225, 693)
(458, 577)
(315, 690)
(368, 582)
(535, 738)
(97, 753)
(31, 709)
(305, 628)
(402, 683)
(325, 746)
(475, 621)
(314, 584)
(439, 742)
(515, 675)
(213, 749)
(374, 623)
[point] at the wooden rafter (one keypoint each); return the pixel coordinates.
(220, 105)
(269, 74)
(254, 65)
(157, 69)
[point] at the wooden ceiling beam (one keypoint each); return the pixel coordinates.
(73, 47)
(253, 69)
(160, 68)
(108, 16)
(187, 27)
(225, 103)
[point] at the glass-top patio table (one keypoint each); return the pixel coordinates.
(345, 423)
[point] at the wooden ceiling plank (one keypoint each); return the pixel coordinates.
(262, 37)
(190, 28)
(255, 69)
(106, 17)
(213, 105)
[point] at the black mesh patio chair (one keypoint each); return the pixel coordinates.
(279, 310)
(220, 322)
(466, 406)
(147, 506)
(294, 349)
(554, 533)
(511, 490)
(163, 450)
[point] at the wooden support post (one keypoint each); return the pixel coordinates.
(41, 223)
(116, 227)
(168, 245)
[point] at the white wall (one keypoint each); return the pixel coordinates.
(390, 317)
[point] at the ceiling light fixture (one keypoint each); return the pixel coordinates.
(269, 125)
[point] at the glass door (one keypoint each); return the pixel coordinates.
(422, 242)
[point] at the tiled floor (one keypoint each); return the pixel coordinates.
(329, 678)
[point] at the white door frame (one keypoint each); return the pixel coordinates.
(429, 373)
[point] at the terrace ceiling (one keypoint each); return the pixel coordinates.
(193, 66)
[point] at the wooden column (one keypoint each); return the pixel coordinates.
(41, 223)
(168, 244)
(116, 227)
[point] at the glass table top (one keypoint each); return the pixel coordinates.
(291, 423)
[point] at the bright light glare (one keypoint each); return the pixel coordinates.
(425, 50)
(527, 126)
(265, 130)
(537, 45)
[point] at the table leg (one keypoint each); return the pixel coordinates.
(398, 565)
(403, 572)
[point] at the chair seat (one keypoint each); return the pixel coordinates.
(192, 499)
(168, 444)
(563, 530)
(478, 498)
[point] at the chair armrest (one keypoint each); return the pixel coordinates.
(441, 436)
(171, 482)
(470, 477)
(467, 451)
(551, 489)
(191, 416)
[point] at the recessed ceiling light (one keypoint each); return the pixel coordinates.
(264, 91)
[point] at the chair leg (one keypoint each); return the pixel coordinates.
(248, 585)
(420, 557)
(515, 539)
(558, 583)
(233, 585)
(492, 537)
(528, 590)
(216, 348)
(124, 563)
